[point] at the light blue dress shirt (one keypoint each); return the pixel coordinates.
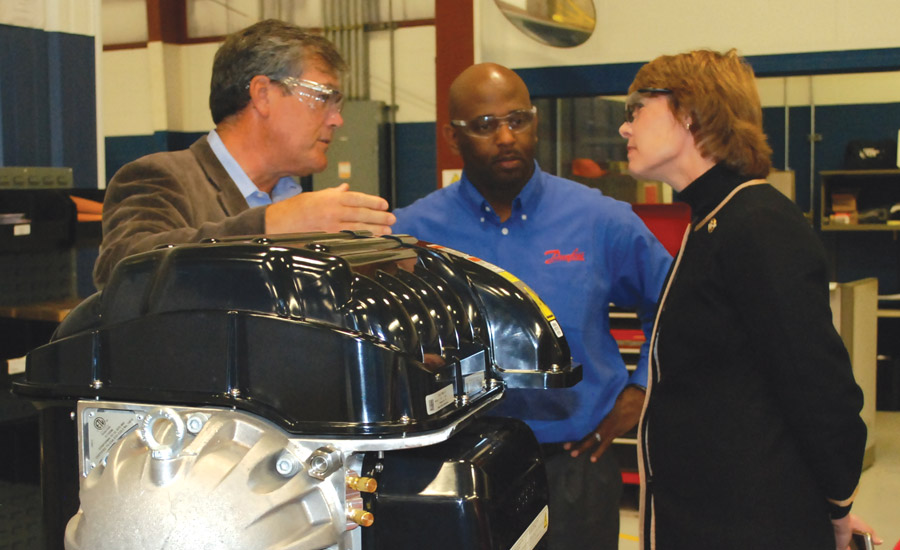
(286, 187)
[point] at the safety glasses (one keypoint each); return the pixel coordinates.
(487, 125)
(633, 102)
(318, 94)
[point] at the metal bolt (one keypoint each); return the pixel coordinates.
(323, 462)
(97, 384)
(195, 423)
(235, 392)
(287, 464)
(318, 464)
(404, 419)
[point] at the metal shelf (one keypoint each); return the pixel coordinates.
(860, 227)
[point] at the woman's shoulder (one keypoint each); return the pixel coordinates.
(764, 215)
(763, 200)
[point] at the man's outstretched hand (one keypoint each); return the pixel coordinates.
(330, 210)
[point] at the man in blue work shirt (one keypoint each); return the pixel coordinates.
(579, 251)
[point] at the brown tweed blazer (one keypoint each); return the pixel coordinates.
(171, 197)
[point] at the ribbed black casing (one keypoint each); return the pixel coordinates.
(339, 334)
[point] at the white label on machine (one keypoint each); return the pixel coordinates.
(22, 229)
(533, 532)
(103, 428)
(556, 328)
(439, 399)
(15, 366)
(474, 382)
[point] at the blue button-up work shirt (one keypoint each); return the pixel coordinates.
(579, 251)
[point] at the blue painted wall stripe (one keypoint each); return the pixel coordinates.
(614, 78)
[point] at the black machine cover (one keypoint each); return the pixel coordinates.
(326, 334)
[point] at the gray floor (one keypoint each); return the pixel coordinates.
(877, 501)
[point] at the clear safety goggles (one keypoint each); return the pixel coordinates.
(633, 102)
(319, 94)
(487, 125)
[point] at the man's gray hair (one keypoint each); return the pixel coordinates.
(272, 48)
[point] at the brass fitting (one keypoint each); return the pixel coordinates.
(360, 517)
(362, 484)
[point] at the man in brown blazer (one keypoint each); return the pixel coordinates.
(275, 100)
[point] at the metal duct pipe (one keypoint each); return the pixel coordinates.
(328, 20)
(392, 110)
(344, 22)
(345, 42)
(350, 41)
(334, 33)
(787, 127)
(362, 54)
(350, 44)
(813, 139)
(337, 25)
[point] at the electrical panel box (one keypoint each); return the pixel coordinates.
(359, 153)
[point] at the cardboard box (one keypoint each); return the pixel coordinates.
(843, 201)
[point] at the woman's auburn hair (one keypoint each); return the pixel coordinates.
(716, 92)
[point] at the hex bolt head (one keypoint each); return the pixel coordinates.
(195, 423)
(323, 462)
(287, 464)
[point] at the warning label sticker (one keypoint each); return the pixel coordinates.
(439, 399)
(534, 532)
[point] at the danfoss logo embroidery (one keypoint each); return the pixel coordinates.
(556, 256)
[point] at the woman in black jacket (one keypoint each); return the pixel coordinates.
(750, 436)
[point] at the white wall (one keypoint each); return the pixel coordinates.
(626, 32)
(128, 107)
(641, 30)
(414, 71)
(71, 16)
(166, 87)
(835, 89)
(124, 21)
